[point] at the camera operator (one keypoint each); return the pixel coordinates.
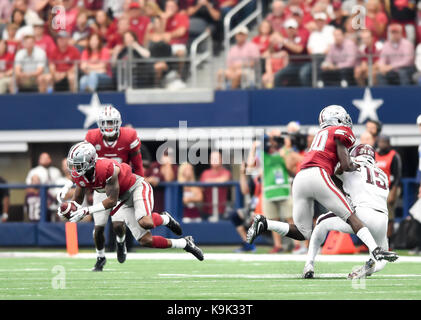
(277, 202)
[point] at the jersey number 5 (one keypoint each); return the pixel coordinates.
(319, 141)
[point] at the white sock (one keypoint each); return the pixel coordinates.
(165, 219)
(178, 243)
(280, 227)
(366, 237)
(100, 253)
(316, 240)
(120, 240)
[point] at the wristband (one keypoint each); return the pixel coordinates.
(96, 208)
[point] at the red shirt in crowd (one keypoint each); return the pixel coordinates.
(210, 174)
(47, 44)
(139, 25)
(221, 2)
(176, 21)
(262, 42)
(12, 46)
(6, 61)
(66, 58)
(370, 24)
(71, 16)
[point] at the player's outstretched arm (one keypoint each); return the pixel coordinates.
(344, 158)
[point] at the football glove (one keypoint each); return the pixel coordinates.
(79, 214)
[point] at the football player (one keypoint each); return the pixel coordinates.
(126, 193)
(368, 189)
(314, 182)
(122, 144)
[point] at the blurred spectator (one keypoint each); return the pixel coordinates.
(402, 12)
(6, 69)
(376, 19)
(176, 32)
(30, 15)
(95, 65)
(62, 64)
(71, 12)
(163, 170)
(338, 67)
(339, 18)
(42, 39)
(226, 5)
(321, 38)
(215, 174)
(30, 63)
(417, 75)
(396, 59)
(46, 173)
(367, 138)
(192, 196)
(274, 61)
(4, 202)
(204, 14)
(5, 13)
(375, 128)
(295, 46)
(277, 16)
(103, 25)
(390, 162)
(241, 218)
(138, 21)
(368, 53)
(32, 207)
(81, 31)
(262, 40)
(12, 43)
(115, 39)
(418, 22)
(142, 72)
(159, 48)
(241, 60)
(19, 21)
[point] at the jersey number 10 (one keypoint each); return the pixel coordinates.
(319, 141)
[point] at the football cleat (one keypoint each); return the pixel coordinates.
(173, 225)
(121, 251)
(193, 249)
(362, 272)
(308, 272)
(258, 226)
(100, 263)
(380, 254)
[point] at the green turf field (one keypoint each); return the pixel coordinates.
(216, 278)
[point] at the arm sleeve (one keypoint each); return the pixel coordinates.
(345, 136)
(396, 170)
(137, 164)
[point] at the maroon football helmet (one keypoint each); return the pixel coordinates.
(364, 150)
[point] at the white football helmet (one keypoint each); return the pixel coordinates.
(81, 158)
(334, 115)
(109, 121)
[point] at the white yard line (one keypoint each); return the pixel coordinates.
(275, 276)
(208, 256)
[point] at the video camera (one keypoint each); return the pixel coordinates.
(298, 141)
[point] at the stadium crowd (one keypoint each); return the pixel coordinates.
(342, 42)
(53, 45)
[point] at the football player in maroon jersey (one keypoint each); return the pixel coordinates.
(314, 182)
(125, 192)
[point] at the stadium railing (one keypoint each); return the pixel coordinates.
(173, 196)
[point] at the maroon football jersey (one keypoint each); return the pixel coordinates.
(323, 153)
(104, 169)
(127, 142)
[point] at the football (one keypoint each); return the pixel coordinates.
(67, 208)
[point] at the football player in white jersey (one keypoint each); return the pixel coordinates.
(368, 189)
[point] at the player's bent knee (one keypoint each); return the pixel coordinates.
(146, 223)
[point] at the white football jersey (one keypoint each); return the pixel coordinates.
(367, 186)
